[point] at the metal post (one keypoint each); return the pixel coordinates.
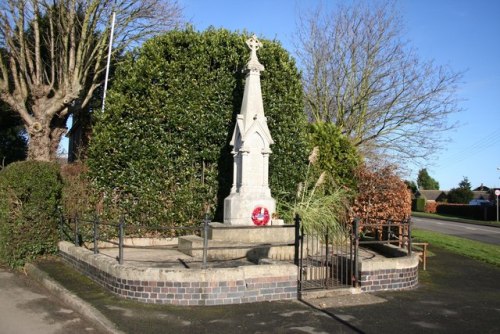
(75, 218)
(497, 208)
(120, 240)
(96, 234)
(301, 256)
(61, 226)
(389, 227)
(326, 258)
(356, 255)
(409, 236)
(297, 239)
(206, 221)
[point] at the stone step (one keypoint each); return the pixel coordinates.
(315, 294)
(192, 245)
(252, 234)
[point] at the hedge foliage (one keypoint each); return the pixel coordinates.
(418, 204)
(478, 212)
(336, 155)
(381, 194)
(161, 150)
(31, 193)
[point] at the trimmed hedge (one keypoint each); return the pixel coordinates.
(31, 193)
(478, 212)
(418, 204)
(381, 194)
(160, 153)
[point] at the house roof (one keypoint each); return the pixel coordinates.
(481, 195)
(481, 188)
(432, 195)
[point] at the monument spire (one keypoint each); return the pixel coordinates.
(250, 194)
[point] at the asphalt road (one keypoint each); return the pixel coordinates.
(27, 308)
(486, 234)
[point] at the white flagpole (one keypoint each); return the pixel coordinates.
(109, 61)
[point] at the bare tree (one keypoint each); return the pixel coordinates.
(359, 74)
(53, 54)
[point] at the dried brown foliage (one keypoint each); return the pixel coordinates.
(431, 207)
(381, 194)
(76, 191)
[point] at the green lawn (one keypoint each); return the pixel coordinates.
(455, 219)
(474, 249)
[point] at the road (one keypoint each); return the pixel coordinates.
(27, 308)
(486, 234)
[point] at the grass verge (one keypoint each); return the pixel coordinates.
(455, 219)
(474, 249)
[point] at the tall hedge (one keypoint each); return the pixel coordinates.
(31, 193)
(161, 150)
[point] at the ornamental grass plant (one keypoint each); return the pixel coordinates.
(322, 204)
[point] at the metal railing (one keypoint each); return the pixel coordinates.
(326, 263)
(71, 229)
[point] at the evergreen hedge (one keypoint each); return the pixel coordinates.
(31, 193)
(160, 153)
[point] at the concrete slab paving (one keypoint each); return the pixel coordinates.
(456, 295)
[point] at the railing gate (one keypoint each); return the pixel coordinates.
(327, 261)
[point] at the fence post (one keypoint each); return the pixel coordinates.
(75, 218)
(356, 256)
(206, 221)
(297, 239)
(96, 233)
(409, 236)
(61, 227)
(120, 240)
(389, 230)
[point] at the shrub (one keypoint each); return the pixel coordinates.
(431, 207)
(478, 212)
(160, 152)
(381, 194)
(76, 192)
(31, 193)
(337, 156)
(418, 204)
(320, 202)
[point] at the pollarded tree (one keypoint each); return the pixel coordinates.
(360, 75)
(161, 150)
(54, 55)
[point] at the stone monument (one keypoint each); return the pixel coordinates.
(249, 208)
(250, 201)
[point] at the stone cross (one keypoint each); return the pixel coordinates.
(254, 44)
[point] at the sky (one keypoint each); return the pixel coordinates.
(461, 34)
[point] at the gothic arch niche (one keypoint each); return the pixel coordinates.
(255, 160)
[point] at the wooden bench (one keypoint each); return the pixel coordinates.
(422, 252)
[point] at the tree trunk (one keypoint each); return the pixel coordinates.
(39, 144)
(44, 139)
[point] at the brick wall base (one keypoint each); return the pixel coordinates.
(186, 287)
(401, 276)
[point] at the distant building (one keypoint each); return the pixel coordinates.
(433, 195)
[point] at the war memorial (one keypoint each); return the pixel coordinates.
(254, 256)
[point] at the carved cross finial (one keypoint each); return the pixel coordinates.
(254, 44)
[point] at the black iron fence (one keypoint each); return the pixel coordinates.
(331, 260)
(326, 260)
(88, 232)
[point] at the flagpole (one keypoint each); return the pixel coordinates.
(109, 61)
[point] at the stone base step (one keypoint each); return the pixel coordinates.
(192, 245)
